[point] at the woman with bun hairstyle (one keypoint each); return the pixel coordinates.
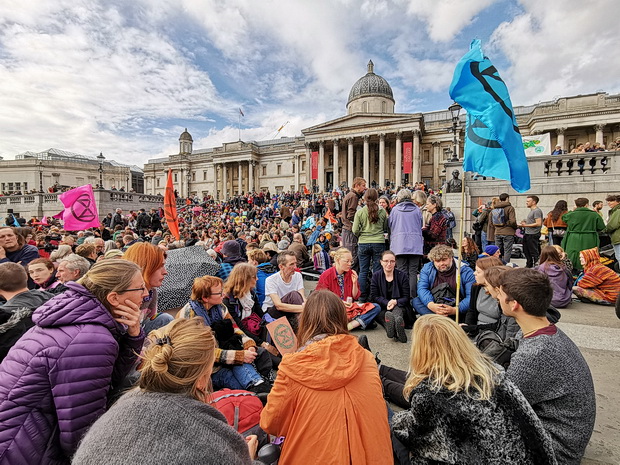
(56, 378)
(172, 397)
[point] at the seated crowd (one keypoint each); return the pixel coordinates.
(165, 324)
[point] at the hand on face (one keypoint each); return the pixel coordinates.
(128, 314)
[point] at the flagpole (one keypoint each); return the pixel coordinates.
(239, 124)
(460, 245)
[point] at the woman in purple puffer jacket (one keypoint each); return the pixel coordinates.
(55, 380)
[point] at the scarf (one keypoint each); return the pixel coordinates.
(210, 316)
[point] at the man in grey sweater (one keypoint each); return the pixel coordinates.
(548, 367)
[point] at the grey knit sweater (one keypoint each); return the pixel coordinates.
(556, 380)
(159, 428)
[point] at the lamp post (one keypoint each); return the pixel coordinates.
(100, 157)
(40, 165)
(455, 110)
(189, 179)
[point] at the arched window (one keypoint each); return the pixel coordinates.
(383, 107)
(365, 107)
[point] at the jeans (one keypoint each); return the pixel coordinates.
(159, 321)
(349, 241)
(617, 251)
(365, 319)
(531, 248)
(483, 239)
(367, 253)
(235, 377)
(422, 309)
(505, 245)
(410, 265)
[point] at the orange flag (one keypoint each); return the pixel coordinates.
(330, 216)
(170, 208)
(306, 191)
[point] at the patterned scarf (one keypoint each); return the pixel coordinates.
(210, 316)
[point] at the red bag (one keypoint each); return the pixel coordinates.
(242, 409)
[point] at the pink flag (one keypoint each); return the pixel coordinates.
(44, 221)
(80, 209)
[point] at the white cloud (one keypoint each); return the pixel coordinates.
(560, 48)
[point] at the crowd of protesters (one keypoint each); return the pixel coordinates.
(164, 321)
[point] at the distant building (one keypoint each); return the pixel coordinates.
(368, 141)
(58, 169)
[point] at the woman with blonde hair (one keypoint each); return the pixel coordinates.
(61, 252)
(172, 396)
(56, 378)
(235, 351)
(447, 373)
(339, 417)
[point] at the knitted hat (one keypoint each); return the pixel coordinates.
(282, 245)
(590, 256)
(231, 249)
(270, 247)
(114, 253)
(491, 249)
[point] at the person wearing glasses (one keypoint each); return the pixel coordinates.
(389, 288)
(56, 378)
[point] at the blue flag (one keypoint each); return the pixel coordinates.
(493, 144)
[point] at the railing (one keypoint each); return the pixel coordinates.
(578, 165)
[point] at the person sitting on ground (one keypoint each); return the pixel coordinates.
(16, 313)
(264, 269)
(152, 260)
(56, 378)
(231, 251)
(172, 396)
(469, 252)
(88, 251)
(437, 284)
(300, 251)
(342, 281)
(235, 354)
(547, 366)
(389, 288)
(60, 253)
(43, 274)
(447, 373)
(72, 268)
(320, 258)
(13, 247)
(484, 311)
(242, 303)
(284, 291)
(560, 277)
(320, 415)
(597, 284)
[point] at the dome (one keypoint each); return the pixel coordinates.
(370, 85)
(186, 136)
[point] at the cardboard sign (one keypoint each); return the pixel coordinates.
(282, 335)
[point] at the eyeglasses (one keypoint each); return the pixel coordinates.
(348, 262)
(216, 293)
(388, 261)
(143, 289)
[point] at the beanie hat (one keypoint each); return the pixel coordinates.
(491, 249)
(282, 245)
(270, 247)
(231, 249)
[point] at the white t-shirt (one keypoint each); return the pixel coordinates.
(274, 284)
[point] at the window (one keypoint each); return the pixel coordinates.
(303, 165)
(204, 175)
(365, 107)
(264, 170)
(279, 169)
(383, 107)
(427, 156)
(18, 186)
(176, 178)
(293, 167)
(193, 176)
(157, 182)
(11, 186)
(25, 186)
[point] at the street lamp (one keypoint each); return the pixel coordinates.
(189, 179)
(100, 157)
(455, 110)
(40, 165)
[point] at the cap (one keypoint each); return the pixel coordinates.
(491, 249)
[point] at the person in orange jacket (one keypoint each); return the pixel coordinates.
(327, 399)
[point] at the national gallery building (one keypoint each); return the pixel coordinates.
(372, 141)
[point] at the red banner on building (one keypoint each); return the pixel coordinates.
(407, 158)
(315, 165)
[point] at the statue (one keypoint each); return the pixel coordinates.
(454, 184)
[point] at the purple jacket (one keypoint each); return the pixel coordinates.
(405, 222)
(55, 379)
(561, 282)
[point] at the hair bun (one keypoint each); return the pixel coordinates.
(159, 361)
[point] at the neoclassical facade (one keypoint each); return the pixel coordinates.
(368, 141)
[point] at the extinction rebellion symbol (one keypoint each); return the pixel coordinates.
(83, 209)
(284, 337)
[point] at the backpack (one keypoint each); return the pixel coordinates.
(498, 217)
(451, 219)
(242, 409)
(492, 345)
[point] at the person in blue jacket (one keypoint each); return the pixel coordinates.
(437, 284)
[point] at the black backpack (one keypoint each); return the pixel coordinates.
(492, 345)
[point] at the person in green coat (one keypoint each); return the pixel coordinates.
(613, 224)
(582, 231)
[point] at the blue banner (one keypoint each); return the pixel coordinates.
(493, 145)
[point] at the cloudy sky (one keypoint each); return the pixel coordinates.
(126, 77)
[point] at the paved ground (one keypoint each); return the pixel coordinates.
(596, 331)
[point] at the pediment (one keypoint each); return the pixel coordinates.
(363, 120)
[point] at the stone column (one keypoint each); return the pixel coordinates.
(436, 157)
(225, 182)
(381, 159)
(560, 142)
(296, 162)
(366, 169)
(599, 133)
(350, 162)
(251, 176)
(417, 159)
(321, 180)
(308, 167)
(399, 159)
(215, 183)
(240, 175)
(336, 167)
